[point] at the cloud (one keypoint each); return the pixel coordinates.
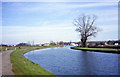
(0, 34)
(60, 0)
(63, 9)
(56, 21)
(39, 34)
(37, 28)
(49, 33)
(109, 28)
(60, 6)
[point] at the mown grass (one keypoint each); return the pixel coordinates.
(8, 48)
(109, 50)
(13, 48)
(23, 66)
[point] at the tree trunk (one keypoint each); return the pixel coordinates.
(83, 42)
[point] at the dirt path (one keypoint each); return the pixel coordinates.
(0, 64)
(6, 64)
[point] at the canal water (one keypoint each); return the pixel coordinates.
(66, 61)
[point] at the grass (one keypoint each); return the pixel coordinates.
(8, 48)
(111, 45)
(109, 50)
(23, 66)
(13, 48)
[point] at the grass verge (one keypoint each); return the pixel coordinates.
(108, 50)
(23, 66)
(8, 48)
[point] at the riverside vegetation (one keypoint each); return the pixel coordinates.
(23, 66)
(108, 50)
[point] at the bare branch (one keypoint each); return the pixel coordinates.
(85, 26)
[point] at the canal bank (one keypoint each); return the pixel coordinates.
(107, 50)
(23, 66)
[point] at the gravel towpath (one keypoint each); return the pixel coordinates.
(5, 63)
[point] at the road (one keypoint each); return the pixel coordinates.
(5, 64)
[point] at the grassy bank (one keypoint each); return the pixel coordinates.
(108, 50)
(23, 66)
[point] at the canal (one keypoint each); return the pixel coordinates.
(66, 61)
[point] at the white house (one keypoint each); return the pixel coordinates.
(46, 44)
(73, 44)
(116, 43)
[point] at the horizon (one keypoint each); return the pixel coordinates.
(31, 43)
(52, 21)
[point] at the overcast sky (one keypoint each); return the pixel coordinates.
(53, 21)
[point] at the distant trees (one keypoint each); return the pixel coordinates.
(61, 43)
(52, 43)
(23, 44)
(86, 27)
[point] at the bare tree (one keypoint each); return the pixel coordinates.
(86, 28)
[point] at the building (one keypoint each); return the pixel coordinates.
(46, 44)
(74, 44)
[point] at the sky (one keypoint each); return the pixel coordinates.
(53, 21)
